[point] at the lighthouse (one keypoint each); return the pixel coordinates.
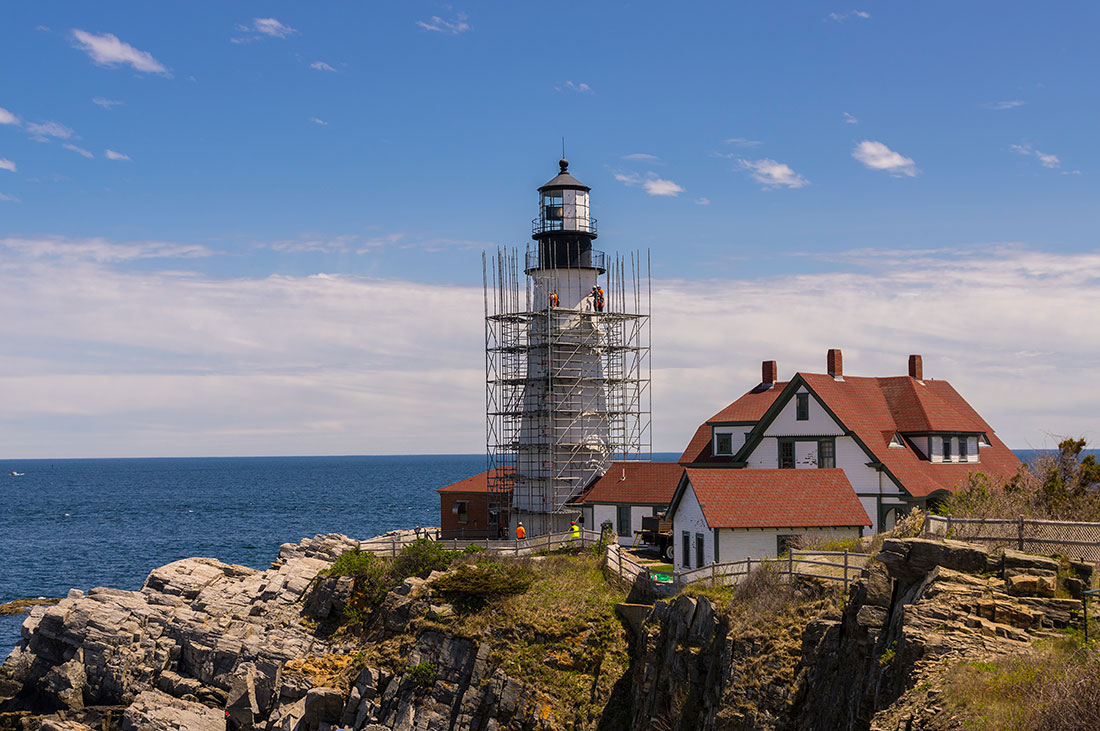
(567, 363)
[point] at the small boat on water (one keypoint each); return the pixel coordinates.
(17, 474)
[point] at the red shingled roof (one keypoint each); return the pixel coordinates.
(749, 407)
(477, 483)
(638, 483)
(776, 498)
(874, 408)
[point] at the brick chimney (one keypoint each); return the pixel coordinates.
(769, 372)
(835, 362)
(916, 367)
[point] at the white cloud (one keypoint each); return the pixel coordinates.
(877, 156)
(1005, 105)
(118, 361)
(77, 150)
(849, 119)
(270, 27)
(9, 198)
(742, 142)
(108, 50)
(112, 155)
(651, 183)
(321, 66)
(640, 156)
(41, 132)
(448, 27)
(1048, 161)
(101, 250)
(659, 186)
(1045, 159)
(838, 17)
(702, 201)
(7, 117)
(580, 88)
(106, 103)
(772, 174)
(6, 164)
(316, 120)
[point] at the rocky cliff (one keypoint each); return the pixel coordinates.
(878, 663)
(205, 645)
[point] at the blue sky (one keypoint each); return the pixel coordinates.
(222, 225)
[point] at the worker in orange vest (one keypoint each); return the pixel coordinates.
(554, 299)
(521, 533)
(597, 297)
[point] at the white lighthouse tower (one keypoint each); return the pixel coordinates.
(567, 364)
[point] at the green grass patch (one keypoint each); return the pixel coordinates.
(1054, 686)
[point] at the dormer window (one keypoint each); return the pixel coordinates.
(802, 407)
(896, 442)
(947, 449)
(723, 444)
(962, 449)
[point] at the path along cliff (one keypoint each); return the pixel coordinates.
(206, 645)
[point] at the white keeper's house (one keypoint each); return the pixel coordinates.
(877, 446)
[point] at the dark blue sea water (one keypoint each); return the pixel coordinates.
(108, 522)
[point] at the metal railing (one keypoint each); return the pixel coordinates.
(541, 225)
(1067, 538)
(589, 258)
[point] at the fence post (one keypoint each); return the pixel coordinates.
(619, 558)
(393, 547)
(947, 533)
(1020, 533)
(845, 570)
(790, 563)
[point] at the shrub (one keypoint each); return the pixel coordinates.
(371, 581)
(471, 586)
(473, 548)
(1054, 486)
(420, 558)
(354, 563)
(423, 674)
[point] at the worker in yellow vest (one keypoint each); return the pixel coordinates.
(575, 530)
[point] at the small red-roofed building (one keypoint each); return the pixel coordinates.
(901, 441)
(464, 508)
(730, 514)
(626, 493)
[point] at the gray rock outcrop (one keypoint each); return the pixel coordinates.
(204, 633)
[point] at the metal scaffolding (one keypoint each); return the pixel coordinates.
(567, 390)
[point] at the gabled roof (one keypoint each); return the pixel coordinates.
(872, 410)
(477, 483)
(638, 483)
(749, 408)
(872, 407)
(810, 498)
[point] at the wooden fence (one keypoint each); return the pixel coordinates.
(1077, 540)
(842, 566)
(550, 542)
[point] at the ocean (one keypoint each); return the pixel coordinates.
(108, 522)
